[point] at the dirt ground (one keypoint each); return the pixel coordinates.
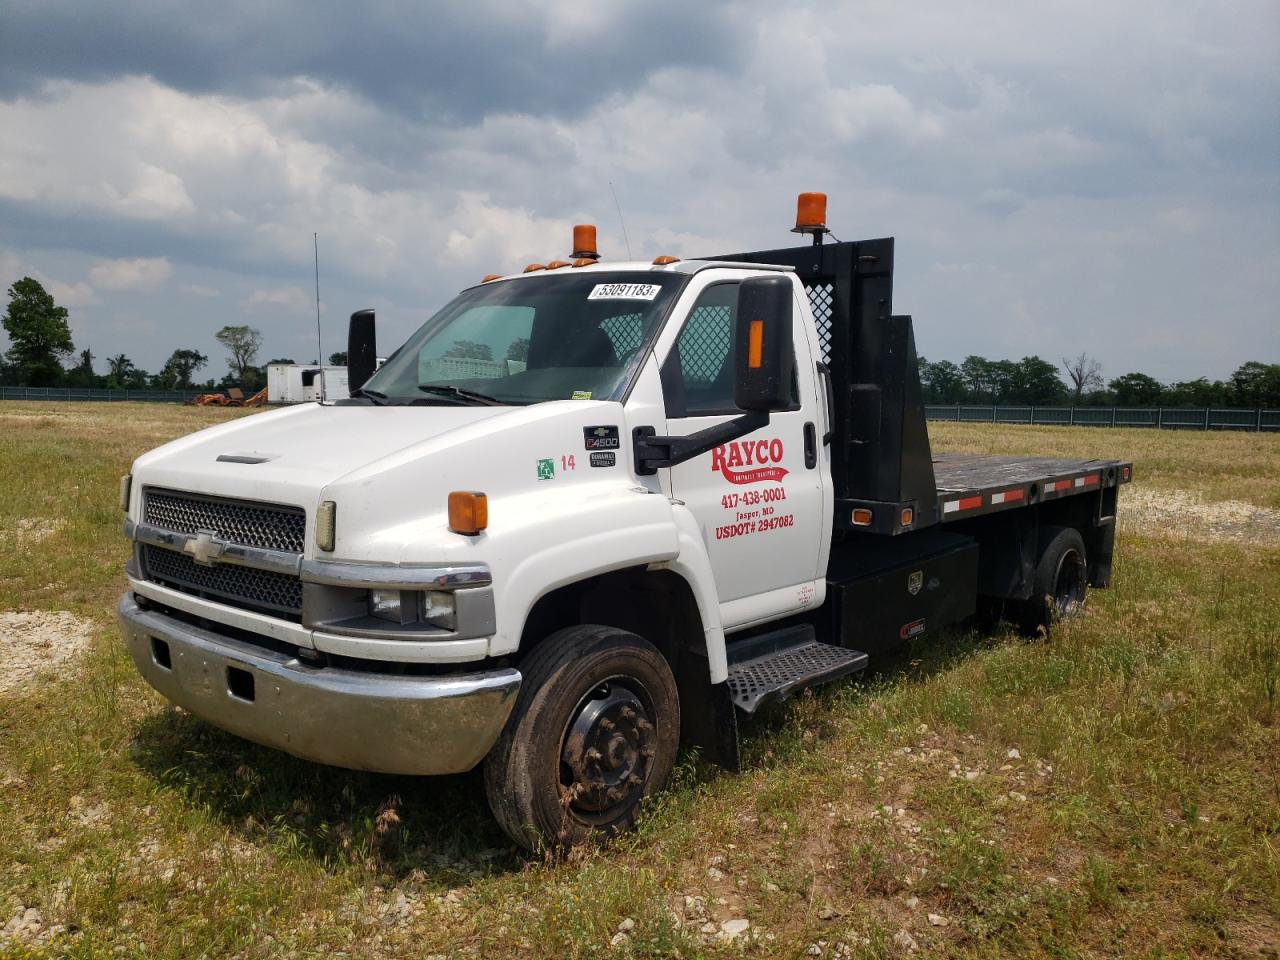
(1180, 515)
(33, 645)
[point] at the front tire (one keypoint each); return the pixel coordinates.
(1061, 580)
(594, 731)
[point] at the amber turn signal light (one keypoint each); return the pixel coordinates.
(755, 344)
(906, 517)
(862, 517)
(468, 512)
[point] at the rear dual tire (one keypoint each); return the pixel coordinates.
(593, 733)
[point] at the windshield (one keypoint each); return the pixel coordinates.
(569, 337)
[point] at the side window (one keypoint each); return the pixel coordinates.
(700, 371)
(705, 351)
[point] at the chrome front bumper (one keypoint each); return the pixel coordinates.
(355, 719)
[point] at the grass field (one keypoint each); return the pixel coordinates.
(1114, 791)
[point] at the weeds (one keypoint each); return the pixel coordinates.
(1112, 790)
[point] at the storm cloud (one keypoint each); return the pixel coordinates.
(1099, 177)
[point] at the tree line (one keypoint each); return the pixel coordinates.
(1034, 381)
(41, 346)
(42, 354)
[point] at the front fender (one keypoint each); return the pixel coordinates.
(572, 538)
(694, 565)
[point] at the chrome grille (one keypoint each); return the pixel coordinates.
(266, 525)
(263, 590)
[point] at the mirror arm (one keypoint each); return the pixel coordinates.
(653, 452)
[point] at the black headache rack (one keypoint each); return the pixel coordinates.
(880, 457)
(886, 480)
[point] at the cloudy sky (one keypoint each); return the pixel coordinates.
(1060, 176)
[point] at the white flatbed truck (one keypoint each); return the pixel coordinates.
(589, 512)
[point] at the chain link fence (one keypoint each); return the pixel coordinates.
(1166, 418)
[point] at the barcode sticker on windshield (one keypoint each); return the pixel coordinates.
(624, 291)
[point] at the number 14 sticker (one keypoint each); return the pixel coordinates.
(566, 463)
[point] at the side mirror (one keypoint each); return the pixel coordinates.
(764, 361)
(362, 349)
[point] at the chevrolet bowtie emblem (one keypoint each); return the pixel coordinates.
(205, 549)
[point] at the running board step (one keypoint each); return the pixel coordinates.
(774, 665)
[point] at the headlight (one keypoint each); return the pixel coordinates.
(435, 607)
(438, 610)
(387, 605)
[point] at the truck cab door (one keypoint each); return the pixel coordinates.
(759, 499)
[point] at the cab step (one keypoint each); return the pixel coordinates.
(774, 665)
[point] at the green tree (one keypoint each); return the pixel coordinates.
(181, 365)
(1036, 383)
(1256, 384)
(242, 343)
(1137, 390)
(978, 378)
(942, 381)
(518, 349)
(338, 359)
(39, 335)
(470, 350)
(1200, 392)
(118, 369)
(82, 375)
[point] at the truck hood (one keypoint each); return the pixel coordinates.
(290, 455)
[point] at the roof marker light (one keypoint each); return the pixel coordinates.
(583, 262)
(534, 266)
(664, 260)
(557, 264)
(491, 276)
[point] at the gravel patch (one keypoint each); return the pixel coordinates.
(32, 644)
(1178, 515)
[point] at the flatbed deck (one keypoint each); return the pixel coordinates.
(969, 484)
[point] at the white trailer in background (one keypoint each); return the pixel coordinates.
(300, 383)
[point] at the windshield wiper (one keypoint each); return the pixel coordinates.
(469, 395)
(376, 396)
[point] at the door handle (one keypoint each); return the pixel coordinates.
(810, 445)
(824, 372)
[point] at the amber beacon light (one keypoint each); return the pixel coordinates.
(468, 512)
(584, 242)
(811, 215)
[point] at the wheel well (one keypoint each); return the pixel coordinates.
(659, 605)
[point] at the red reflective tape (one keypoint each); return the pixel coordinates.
(1011, 495)
(1091, 479)
(969, 503)
(1061, 485)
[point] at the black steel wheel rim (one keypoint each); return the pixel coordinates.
(1069, 585)
(607, 750)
